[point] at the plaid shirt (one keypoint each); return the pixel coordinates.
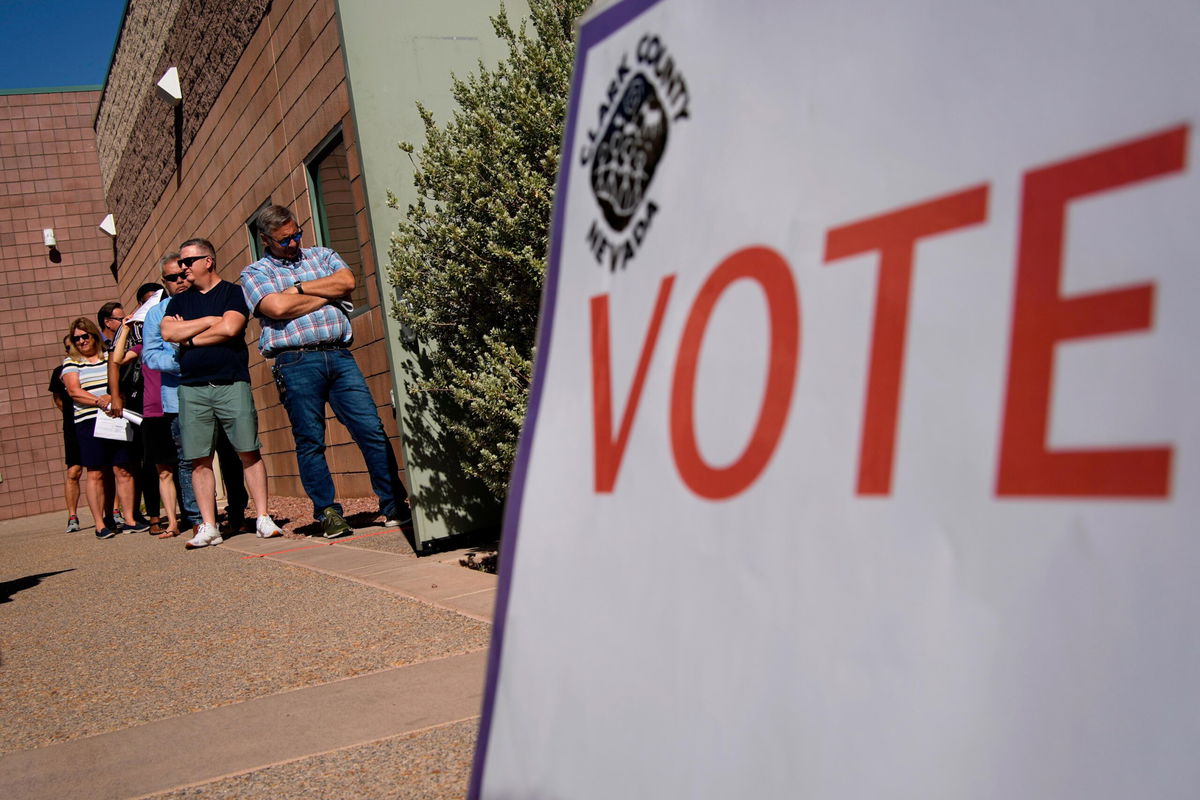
(269, 275)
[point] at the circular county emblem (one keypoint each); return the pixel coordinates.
(629, 152)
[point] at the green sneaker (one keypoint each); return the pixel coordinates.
(332, 524)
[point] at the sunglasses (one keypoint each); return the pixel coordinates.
(174, 276)
(186, 263)
(287, 240)
(85, 337)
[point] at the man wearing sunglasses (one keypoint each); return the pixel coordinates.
(208, 321)
(300, 297)
(164, 358)
(163, 432)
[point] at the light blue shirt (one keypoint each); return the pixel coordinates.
(161, 355)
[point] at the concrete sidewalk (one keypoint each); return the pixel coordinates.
(342, 728)
(437, 580)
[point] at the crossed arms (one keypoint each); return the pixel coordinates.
(319, 292)
(204, 330)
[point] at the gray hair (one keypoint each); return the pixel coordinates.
(272, 218)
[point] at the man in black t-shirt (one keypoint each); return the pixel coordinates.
(208, 322)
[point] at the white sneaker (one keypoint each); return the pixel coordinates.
(205, 535)
(266, 528)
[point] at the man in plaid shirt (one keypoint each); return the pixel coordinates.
(300, 297)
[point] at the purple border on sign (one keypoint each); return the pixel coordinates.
(591, 33)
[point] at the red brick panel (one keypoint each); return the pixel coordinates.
(49, 178)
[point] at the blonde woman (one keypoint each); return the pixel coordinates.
(85, 374)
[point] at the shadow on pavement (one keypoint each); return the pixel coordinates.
(9, 588)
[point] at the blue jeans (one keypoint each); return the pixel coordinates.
(307, 380)
(187, 495)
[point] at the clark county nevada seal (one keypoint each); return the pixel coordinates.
(644, 100)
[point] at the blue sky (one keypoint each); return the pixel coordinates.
(47, 43)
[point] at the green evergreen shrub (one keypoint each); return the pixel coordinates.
(469, 258)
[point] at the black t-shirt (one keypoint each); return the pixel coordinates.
(59, 388)
(227, 361)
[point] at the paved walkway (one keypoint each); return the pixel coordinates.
(227, 750)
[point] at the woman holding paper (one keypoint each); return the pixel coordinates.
(85, 374)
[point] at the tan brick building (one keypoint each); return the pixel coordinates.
(268, 114)
(49, 178)
(265, 116)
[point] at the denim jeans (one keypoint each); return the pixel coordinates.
(307, 380)
(183, 474)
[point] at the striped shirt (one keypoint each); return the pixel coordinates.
(268, 275)
(93, 378)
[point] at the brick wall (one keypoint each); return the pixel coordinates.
(49, 178)
(285, 92)
(139, 136)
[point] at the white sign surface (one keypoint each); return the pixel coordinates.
(862, 454)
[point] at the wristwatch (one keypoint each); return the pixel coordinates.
(299, 286)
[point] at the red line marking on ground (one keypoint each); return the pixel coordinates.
(321, 544)
(360, 536)
(289, 550)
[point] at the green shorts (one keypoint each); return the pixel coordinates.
(201, 408)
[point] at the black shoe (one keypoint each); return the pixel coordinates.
(236, 521)
(138, 525)
(105, 533)
(332, 524)
(111, 524)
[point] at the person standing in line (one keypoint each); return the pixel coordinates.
(148, 477)
(300, 297)
(111, 317)
(62, 400)
(231, 465)
(85, 374)
(159, 455)
(208, 321)
(127, 385)
(162, 358)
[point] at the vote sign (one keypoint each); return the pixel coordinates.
(861, 458)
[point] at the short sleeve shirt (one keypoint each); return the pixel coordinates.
(58, 388)
(326, 325)
(214, 363)
(93, 378)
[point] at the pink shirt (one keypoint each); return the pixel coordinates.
(151, 389)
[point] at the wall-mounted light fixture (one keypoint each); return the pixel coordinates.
(48, 238)
(168, 87)
(109, 226)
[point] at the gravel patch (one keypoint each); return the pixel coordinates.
(428, 765)
(135, 629)
(294, 515)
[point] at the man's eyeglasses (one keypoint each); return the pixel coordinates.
(174, 276)
(85, 337)
(287, 240)
(186, 263)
